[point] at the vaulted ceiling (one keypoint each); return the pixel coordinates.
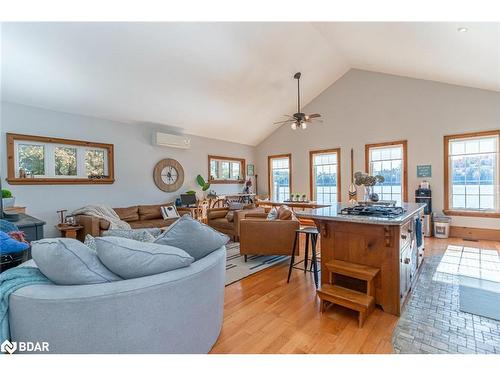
(228, 81)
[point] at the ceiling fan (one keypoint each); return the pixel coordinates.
(299, 119)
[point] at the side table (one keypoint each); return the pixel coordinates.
(68, 231)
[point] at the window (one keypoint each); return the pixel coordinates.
(325, 176)
(65, 161)
(471, 174)
(95, 162)
(43, 160)
(280, 177)
(389, 160)
(226, 170)
(31, 157)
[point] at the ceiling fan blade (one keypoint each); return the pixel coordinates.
(283, 122)
(314, 115)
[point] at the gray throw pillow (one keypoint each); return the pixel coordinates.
(66, 261)
(131, 259)
(142, 235)
(195, 238)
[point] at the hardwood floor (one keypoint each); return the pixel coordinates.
(264, 314)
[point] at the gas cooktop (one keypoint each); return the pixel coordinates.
(373, 210)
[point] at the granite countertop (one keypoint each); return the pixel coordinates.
(333, 213)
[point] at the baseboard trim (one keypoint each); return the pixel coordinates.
(475, 233)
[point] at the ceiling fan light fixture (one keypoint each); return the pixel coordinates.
(303, 125)
(293, 125)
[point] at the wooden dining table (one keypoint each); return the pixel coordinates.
(293, 205)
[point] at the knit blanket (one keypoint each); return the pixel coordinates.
(10, 281)
(105, 213)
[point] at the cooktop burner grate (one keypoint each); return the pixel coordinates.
(377, 211)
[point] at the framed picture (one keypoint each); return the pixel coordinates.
(250, 170)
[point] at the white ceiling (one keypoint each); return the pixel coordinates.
(227, 81)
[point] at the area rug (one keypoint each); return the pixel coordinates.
(237, 268)
(431, 321)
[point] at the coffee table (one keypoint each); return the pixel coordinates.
(479, 289)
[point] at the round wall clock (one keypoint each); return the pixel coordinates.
(168, 175)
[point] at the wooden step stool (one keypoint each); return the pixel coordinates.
(363, 303)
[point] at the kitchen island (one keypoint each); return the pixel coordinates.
(385, 246)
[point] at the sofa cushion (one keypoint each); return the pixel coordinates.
(156, 223)
(128, 213)
(131, 259)
(150, 212)
(222, 223)
(197, 239)
(66, 261)
(141, 235)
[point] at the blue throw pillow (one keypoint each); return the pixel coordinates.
(131, 259)
(195, 238)
(9, 245)
(66, 261)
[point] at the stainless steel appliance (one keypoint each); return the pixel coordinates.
(373, 210)
(425, 196)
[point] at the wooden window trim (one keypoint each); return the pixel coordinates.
(243, 167)
(311, 171)
(11, 173)
(269, 170)
(447, 210)
(403, 143)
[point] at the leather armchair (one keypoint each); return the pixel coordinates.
(216, 218)
(259, 236)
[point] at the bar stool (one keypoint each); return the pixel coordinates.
(309, 232)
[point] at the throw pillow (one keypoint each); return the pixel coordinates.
(285, 213)
(169, 212)
(142, 235)
(230, 216)
(195, 238)
(90, 242)
(131, 259)
(66, 261)
(273, 214)
(8, 245)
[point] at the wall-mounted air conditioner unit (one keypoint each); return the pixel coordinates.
(171, 140)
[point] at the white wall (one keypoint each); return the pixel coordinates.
(135, 158)
(366, 107)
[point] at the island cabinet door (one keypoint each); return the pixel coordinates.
(404, 273)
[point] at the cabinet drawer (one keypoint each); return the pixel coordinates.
(405, 234)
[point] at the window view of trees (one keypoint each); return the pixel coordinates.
(388, 162)
(280, 182)
(473, 168)
(325, 178)
(65, 161)
(32, 158)
(94, 162)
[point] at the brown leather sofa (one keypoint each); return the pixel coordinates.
(144, 216)
(217, 219)
(259, 236)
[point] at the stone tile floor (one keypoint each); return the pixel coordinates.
(432, 322)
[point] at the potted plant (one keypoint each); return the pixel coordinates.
(7, 199)
(304, 198)
(368, 182)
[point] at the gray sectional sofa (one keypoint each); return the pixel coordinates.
(178, 311)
